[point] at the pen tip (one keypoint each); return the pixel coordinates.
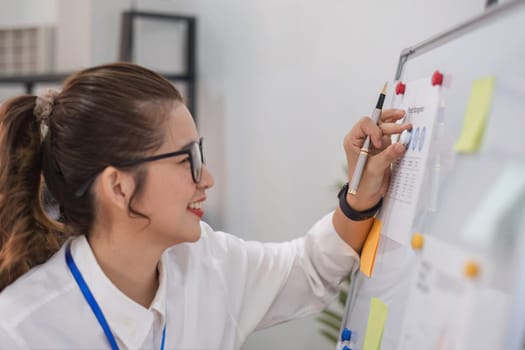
(384, 88)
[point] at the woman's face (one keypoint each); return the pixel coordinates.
(172, 200)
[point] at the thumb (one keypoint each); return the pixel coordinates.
(382, 160)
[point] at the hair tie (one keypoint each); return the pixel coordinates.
(43, 108)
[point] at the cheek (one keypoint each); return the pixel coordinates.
(171, 191)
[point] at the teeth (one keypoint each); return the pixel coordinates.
(195, 205)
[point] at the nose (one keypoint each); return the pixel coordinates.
(207, 180)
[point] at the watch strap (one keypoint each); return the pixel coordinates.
(353, 214)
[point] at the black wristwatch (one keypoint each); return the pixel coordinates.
(353, 214)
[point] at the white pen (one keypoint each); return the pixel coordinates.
(363, 154)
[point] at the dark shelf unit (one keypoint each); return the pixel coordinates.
(29, 80)
(189, 77)
(126, 54)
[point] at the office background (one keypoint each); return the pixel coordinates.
(279, 84)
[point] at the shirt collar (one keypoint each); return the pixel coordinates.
(159, 301)
(128, 320)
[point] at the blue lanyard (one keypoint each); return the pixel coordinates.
(93, 303)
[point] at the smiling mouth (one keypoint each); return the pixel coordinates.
(196, 208)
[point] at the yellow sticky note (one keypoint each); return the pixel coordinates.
(478, 109)
(368, 255)
(376, 324)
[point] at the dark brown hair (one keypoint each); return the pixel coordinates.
(104, 115)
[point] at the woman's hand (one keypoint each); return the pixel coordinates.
(376, 174)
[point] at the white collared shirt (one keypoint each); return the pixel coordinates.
(212, 294)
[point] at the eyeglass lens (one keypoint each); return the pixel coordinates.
(197, 158)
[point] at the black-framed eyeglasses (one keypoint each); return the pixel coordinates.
(194, 151)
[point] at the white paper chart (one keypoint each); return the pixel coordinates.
(421, 103)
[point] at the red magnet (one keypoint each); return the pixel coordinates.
(400, 88)
(437, 78)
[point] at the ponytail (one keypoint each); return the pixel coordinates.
(28, 237)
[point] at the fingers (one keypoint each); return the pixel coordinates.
(391, 128)
(381, 161)
(385, 142)
(391, 115)
(366, 127)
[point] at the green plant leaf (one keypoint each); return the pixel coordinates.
(343, 295)
(330, 322)
(329, 335)
(337, 316)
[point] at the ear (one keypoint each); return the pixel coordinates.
(116, 187)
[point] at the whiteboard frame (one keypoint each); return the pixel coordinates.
(490, 14)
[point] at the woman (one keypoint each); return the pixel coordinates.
(131, 265)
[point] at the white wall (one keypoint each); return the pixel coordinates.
(280, 83)
(74, 35)
(22, 13)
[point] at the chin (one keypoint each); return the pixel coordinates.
(194, 239)
(195, 236)
(189, 236)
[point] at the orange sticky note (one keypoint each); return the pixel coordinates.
(368, 255)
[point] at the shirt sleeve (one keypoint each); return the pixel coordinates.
(7, 341)
(269, 283)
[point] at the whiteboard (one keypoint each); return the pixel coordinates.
(492, 44)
